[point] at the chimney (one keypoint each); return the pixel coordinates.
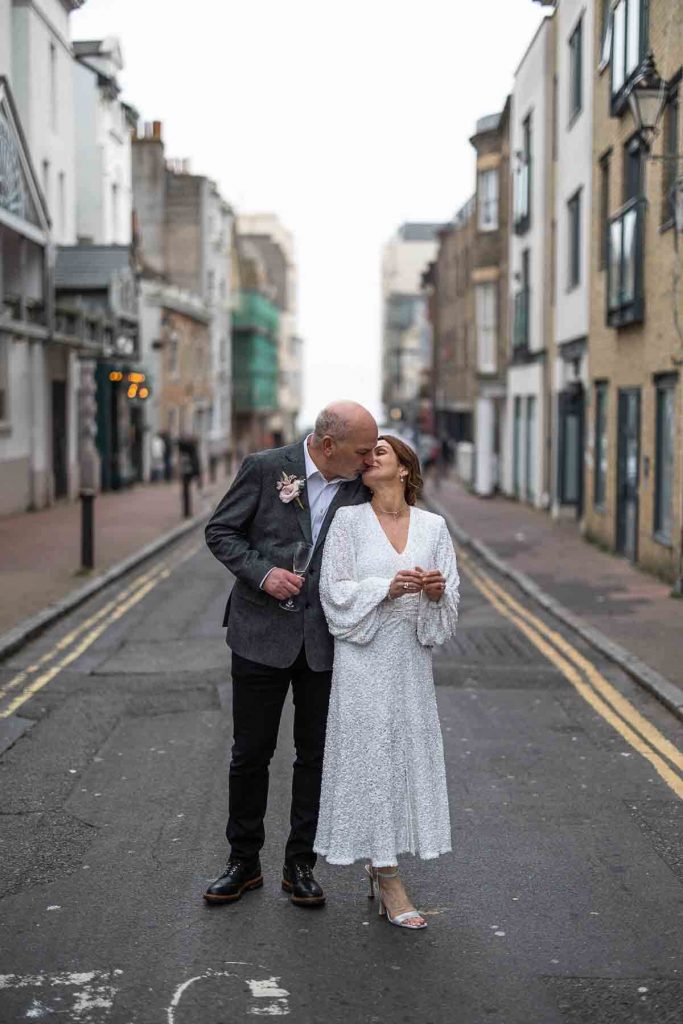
(156, 131)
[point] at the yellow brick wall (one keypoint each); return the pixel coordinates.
(630, 356)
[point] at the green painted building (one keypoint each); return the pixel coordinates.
(255, 325)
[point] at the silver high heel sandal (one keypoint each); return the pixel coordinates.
(401, 920)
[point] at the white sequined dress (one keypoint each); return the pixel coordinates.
(384, 780)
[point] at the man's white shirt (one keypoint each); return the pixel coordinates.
(319, 495)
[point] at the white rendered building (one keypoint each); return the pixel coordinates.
(406, 355)
(526, 463)
(573, 173)
(38, 370)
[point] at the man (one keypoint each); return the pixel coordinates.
(278, 499)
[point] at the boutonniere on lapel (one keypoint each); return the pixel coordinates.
(290, 487)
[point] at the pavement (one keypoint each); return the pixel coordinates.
(40, 551)
(628, 606)
(560, 903)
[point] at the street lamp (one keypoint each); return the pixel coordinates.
(647, 99)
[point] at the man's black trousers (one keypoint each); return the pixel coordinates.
(258, 695)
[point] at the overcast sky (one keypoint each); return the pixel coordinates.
(345, 119)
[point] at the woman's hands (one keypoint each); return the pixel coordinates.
(406, 581)
(433, 584)
(411, 581)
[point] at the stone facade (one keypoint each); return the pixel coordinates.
(454, 364)
(490, 288)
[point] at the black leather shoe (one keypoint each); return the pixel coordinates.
(298, 881)
(239, 876)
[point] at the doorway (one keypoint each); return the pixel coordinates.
(628, 462)
(59, 464)
(570, 468)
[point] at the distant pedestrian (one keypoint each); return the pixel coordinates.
(157, 454)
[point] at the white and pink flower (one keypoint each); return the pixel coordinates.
(290, 488)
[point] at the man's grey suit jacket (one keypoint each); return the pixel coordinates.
(252, 531)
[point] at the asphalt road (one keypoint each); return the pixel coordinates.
(561, 902)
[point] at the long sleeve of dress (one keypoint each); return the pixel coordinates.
(353, 607)
(437, 620)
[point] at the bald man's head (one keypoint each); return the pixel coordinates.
(343, 440)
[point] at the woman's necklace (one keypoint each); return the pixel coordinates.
(388, 512)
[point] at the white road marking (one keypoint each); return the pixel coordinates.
(259, 989)
(91, 999)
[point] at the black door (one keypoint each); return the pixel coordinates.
(570, 468)
(59, 467)
(628, 472)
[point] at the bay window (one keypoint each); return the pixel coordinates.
(488, 200)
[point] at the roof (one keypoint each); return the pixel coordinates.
(90, 267)
(419, 232)
(487, 124)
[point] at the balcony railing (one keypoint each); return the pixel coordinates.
(625, 298)
(520, 323)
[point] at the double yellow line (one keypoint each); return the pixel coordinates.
(663, 755)
(22, 686)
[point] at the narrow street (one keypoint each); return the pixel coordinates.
(561, 903)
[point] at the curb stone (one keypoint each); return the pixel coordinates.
(663, 689)
(29, 628)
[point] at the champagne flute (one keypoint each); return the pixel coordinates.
(303, 552)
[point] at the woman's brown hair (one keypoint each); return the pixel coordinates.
(409, 460)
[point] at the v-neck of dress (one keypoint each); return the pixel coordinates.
(383, 532)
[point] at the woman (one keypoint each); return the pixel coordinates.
(389, 589)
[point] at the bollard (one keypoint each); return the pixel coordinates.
(187, 497)
(87, 529)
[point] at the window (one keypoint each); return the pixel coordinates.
(625, 302)
(576, 70)
(46, 184)
(53, 87)
(485, 300)
(604, 211)
(488, 200)
(605, 34)
(600, 467)
(520, 327)
(633, 169)
(574, 240)
(664, 457)
(522, 182)
(628, 40)
(173, 345)
(669, 152)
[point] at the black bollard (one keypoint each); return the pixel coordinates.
(187, 496)
(87, 529)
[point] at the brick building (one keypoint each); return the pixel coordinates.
(634, 463)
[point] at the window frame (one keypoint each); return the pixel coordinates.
(632, 310)
(574, 240)
(619, 95)
(575, 44)
(522, 181)
(485, 202)
(488, 330)
(605, 181)
(665, 388)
